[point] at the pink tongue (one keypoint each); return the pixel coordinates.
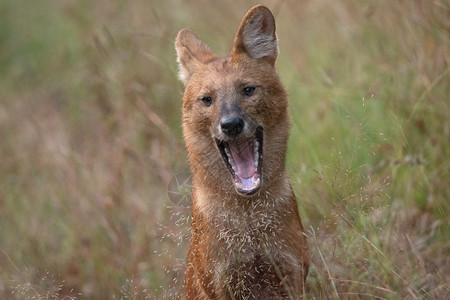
(243, 158)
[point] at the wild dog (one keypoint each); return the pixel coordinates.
(247, 239)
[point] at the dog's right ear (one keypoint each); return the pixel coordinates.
(191, 53)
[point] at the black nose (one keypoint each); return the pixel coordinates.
(232, 126)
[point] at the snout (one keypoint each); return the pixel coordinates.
(232, 126)
(242, 153)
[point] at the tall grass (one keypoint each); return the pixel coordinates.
(91, 148)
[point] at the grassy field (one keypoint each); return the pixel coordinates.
(91, 149)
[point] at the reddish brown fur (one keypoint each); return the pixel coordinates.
(242, 247)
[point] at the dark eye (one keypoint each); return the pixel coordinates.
(249, 90)
(207, 101)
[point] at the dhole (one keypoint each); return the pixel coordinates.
(247, 238)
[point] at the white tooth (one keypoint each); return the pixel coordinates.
(231, 162)
(257, 182)
(227, 152)
(233, 166)
(238, 185)
(256, 161)
(230, 159)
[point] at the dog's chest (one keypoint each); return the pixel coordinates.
(251, 243)
(259, 227)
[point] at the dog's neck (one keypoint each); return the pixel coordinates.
(211, 200)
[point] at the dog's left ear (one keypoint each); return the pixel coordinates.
(256, 35)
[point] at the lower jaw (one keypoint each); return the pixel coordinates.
(242, 186)
(247, 193)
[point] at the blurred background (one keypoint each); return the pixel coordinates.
(94, 180)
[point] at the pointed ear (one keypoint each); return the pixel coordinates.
(256, 35)
(191, 53)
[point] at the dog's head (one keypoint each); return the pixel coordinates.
(235, 118)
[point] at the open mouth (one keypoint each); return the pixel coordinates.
(243, 158)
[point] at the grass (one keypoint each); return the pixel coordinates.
(91, 144)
